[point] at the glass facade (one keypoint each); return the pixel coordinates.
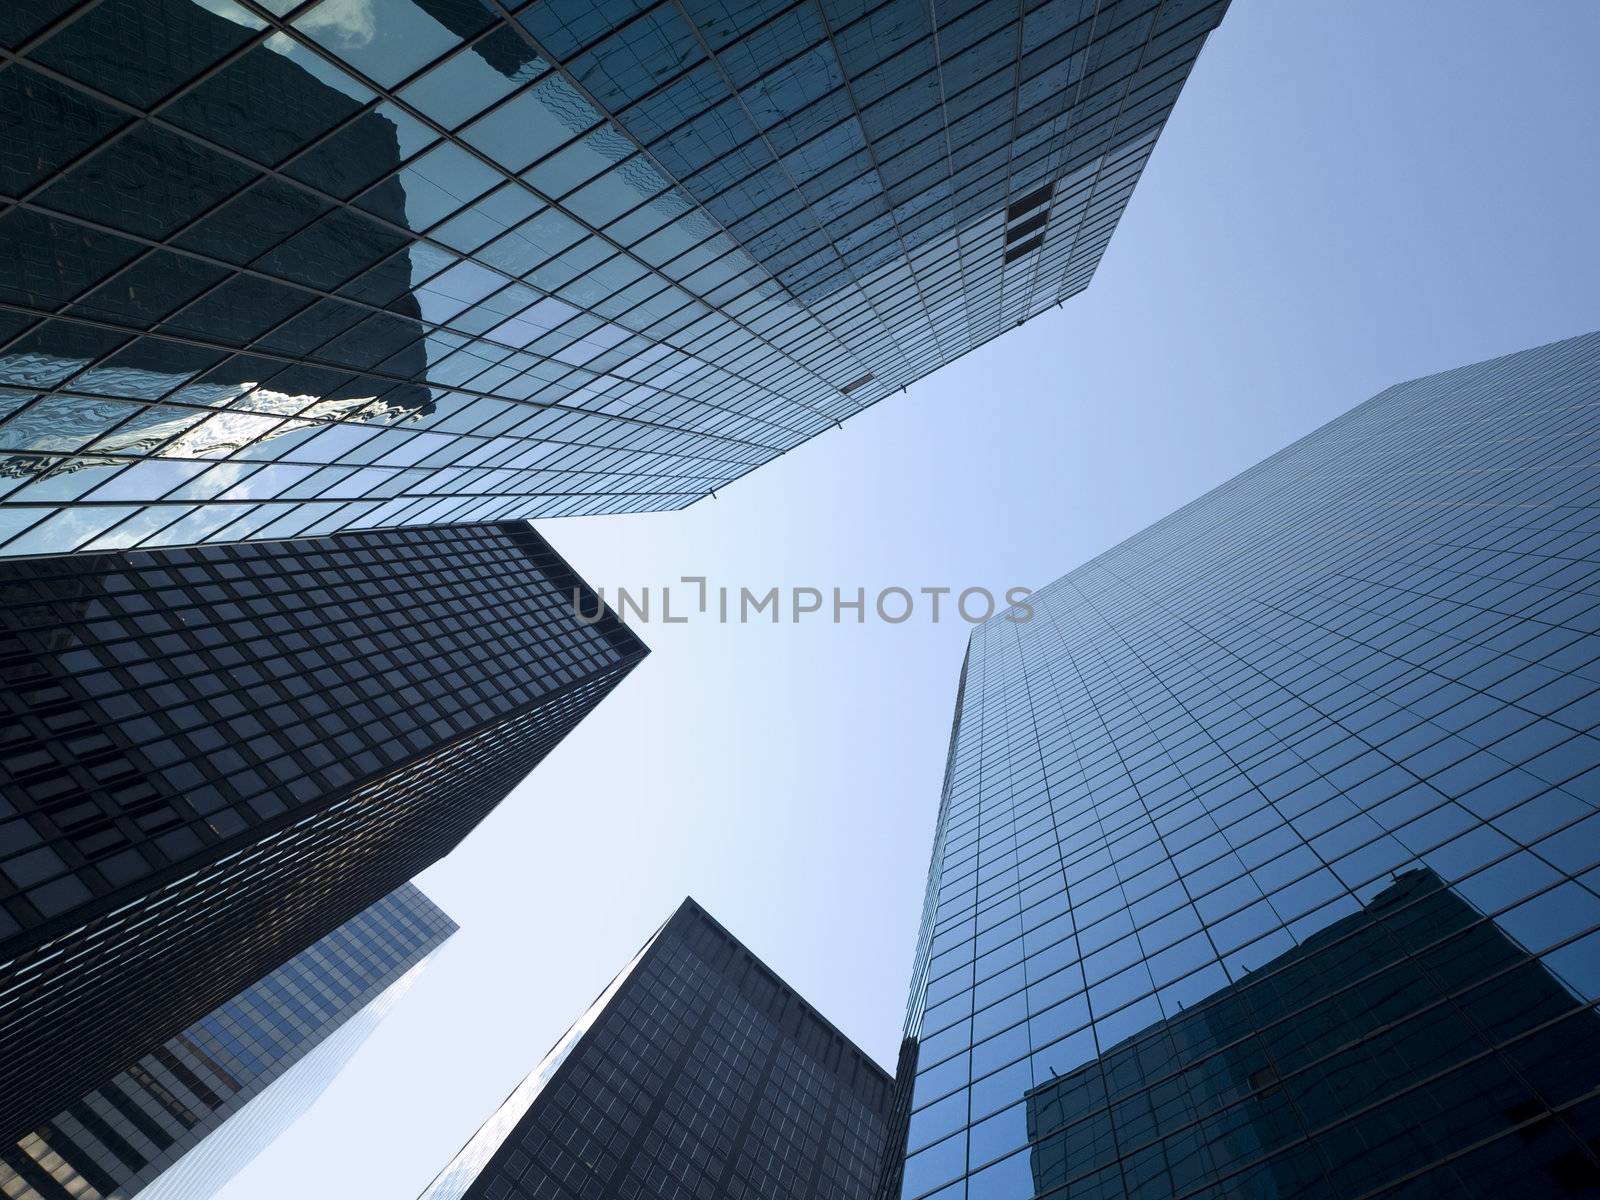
(207, 1168)
(696, 1075)
(273, 269)
(230, 1149)
(195, 1094)
(1268, 861)
(213, 756)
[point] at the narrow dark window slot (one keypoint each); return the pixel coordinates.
(1027, 247)
(1032, 225)
(1031, 201)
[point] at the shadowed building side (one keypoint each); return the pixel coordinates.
(181, 1121)
(217, 755)
(697, 1072)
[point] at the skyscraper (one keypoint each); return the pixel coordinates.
(1268, 861)
(696, 1073)
(180, 1121)
(276, 270)
(214, 756)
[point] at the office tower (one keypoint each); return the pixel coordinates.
(275, 270)
(696, 1073)
(212, 1164)
(1268, 857)
(214, 756)
(183, 1119)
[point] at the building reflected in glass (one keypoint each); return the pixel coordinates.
(180, 1122)
(1384, 1040)
(1268, 863)
(696, 1072)
(272, 271)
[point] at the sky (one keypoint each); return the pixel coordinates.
(1349, 194)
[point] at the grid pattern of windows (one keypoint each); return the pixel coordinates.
(228, 1150)
(169, 701)
(1269, 856)
(698, 1075)
(125, 1133)
(350, 707)
(273, 269)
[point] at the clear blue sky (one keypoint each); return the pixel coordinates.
(1350, 193)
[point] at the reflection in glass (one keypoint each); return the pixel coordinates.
(675, 242)
(184, 1119)
(1268, 862)
(1377, 1032)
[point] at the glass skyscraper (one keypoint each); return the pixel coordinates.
(1268, 861)
(213, 756)
(179, 1122)
(272, 1111)
(273, 269)
(697, 1074)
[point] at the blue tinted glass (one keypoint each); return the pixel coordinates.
(1280, 815)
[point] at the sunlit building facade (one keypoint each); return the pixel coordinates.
(696, 1073)
(276, 270)
(1268, 861)
(212, 756)
(181, 1121)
